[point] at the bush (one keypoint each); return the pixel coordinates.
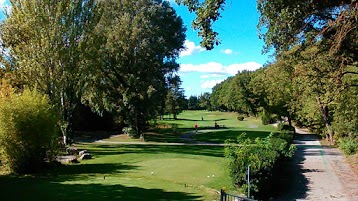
(28, 133)
(240, 118)
(266, 118)
(263, 155)
(348, 145)
(285, 127)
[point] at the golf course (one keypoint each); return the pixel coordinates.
(164, 167)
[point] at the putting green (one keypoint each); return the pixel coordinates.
(182, 170)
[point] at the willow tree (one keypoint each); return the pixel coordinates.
(137, 43)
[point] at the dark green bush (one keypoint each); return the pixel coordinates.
(262, 155)
(285, 127)
(285, 135)
(280, 126)
(266, 118)
(348, 145)
(28, 133)
(240, 118)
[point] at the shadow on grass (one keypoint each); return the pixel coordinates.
(214, 151)
(219, 136)
(16, 188)
(183, 119)
(101, 168)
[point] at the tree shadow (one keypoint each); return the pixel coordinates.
(215, 151)
(289, 181)
(48, 189)
(220, 136)
(185, 119)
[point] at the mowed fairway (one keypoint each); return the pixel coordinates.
(140, 171)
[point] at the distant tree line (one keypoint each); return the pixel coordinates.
(313, 78)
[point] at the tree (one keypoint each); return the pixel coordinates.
(136, 44)
(207, 12)
(45, 41)
(328, 28)
(175, 100)
(204, 101)
(193, 103)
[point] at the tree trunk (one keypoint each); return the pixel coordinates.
(289, 119)
(327, 123)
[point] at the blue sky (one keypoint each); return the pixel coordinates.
(240, 47)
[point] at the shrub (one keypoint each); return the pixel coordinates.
(266, 118)
(28, 133)
(280, 126)
(240, 118)
(285, 127)
(348, 145)
(262, 155)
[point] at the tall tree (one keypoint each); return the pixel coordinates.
(136, 47)
(44, 41)
(193, 103)
(175, 99)
(204, 101)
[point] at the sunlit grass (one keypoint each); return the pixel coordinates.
(145, 171)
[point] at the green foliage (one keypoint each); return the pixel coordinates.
(285, 135)
(241, 118)
(129, 131)
(47, 44)
(207, 12)
(175, 100)
(134, 51)
(235, 94)
(204, 101)
(285, 127)
(349, 145)
(345, 123)
(193, 103)
(266, 118)
(261, 154)
(27, 131)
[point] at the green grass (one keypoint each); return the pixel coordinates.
(170, 130)
(179, 173)
(124, 172)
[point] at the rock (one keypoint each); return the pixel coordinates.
(82, 152)
(85, 156)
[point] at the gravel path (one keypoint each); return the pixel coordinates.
(317, 173)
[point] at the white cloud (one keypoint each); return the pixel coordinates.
(4, 7)
(190, 49)
(250, 66)
(211, 67)
(227, 51)
(210, 83)
(219, 69)
(204, 76)
(211, 75)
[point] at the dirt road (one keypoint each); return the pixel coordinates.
(316, 173)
